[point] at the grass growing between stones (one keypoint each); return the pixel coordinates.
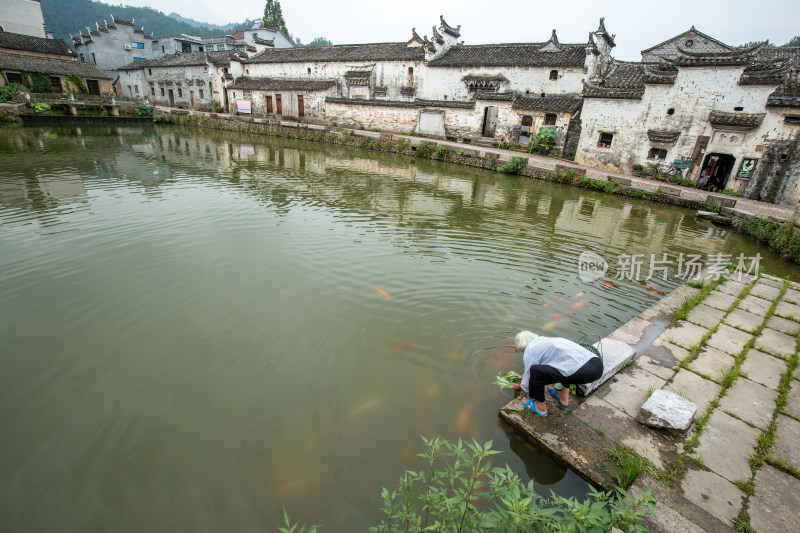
(632, 464)
(690, 302)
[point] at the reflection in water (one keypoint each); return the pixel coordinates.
(201, 328)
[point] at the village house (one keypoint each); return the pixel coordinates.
(23, 17)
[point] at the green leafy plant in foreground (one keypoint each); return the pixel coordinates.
(507, 381)
(460, 491)
(424, 149)
(514, 165)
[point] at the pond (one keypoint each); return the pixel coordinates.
(200, 328)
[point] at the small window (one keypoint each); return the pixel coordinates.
(199, 48)
(14, 77)
(180, 92)
(553, 75)
(162, 49)
(605, 140)
(153, 90)
(136, 89)
(150, 71)
(657, 153)
(738, 108)
(410, 77)
(308, 70)
(201, 94)
(671, 111)
(55, 82)
(162, 92)
(94, 59)
(247, 71)
(550, 119)
(82, 58)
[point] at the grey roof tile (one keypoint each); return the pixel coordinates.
(272, 84)
(564, 103)
(62, 67)
(28, 43)
(341, 52)
(511, 55)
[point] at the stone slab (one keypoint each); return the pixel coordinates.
(616, 354)
(713, 493)
(788, 310)
(763, 368)
(647, 363)
(756, 305)
(665, 409)
(792, 296)
(694, 388)
(729, 340)
(772, 281)
(792, 406)
(734, 288)
(665, 353)
(719, 300)
(762, 290)
(738, 441)
(784, 325)
(666, 306)
(684, 334)
(774, 505)
(706, 316)
(744, 320)
(786, 438)
(776, 343)
(628, 390)
(631, 332)
(752, 402)
(712, 363)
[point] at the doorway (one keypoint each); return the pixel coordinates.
(191, 96)
(278, 105)
(171, 97)
(489, 121)
(301, 108)
(717, 168)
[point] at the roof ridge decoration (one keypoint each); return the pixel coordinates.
(265, 42)
(415, 38)
(766, 73)
(446, 28)
(735, 120)
(552, 45)
(602, 32)
(679, 36)
(591, 45)
(660, 73)
(734, 58)
(122, 21)
(437, 37)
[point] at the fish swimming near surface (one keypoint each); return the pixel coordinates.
(369, 405)
(579, 294)
(578, 305)
(554, 301)
(557, 315)
(550, 325)
(403, 346)
(608, 284)
(428, 391)
(653, 293)
(463, 418)
(381, 292)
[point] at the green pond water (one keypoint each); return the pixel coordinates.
(200, 328)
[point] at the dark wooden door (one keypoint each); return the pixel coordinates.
(278, 104)
(301, 110)
(93, 86)
(269, 104)
(699, 151)
(527, 120)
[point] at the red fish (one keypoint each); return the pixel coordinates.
(554, 301)
(655, 292)
(402, 346)
(608, 284)
(380, 291)
(557, 315)
(578, 305)
(462, 421)
(647, 287)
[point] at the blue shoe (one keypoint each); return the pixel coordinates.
(554, 393)
(529, 405)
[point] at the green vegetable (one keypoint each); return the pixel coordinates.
(507, 381)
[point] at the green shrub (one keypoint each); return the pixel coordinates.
(637, 169)
(7, 92)
(402, 144)
(686, 182)
(41, 108)
(642, 195)
(492, 163)
(144, 110)
(40, 82)
(730, 192)
(784, 237)
(591, 183)
(12, 121)
(424, 149)
(514, 165)
(365, 142)
(708, 206)
(78, 83)
(441, 151)
(467, 494)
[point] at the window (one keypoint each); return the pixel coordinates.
(82, 58)
(549, 119)
(200, 48)
(201, 94)
(247, 71)
(220, 47)
(186, 48)
(308, 70)
(150, 71)
(136, 90)
(605, 140)
(130, 91)
(671, 111)
(180, 92)
(738, 108)
(94, 60)
(162, 91)
(410, 77)
(140, 46)
(657, 153)
(14, 77)
(138, 59)
(553, 75)
(55, 82)
(162, 49)
(153, 91)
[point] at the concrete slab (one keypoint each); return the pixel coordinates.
(788, 310)
(756, 305)
(666, 306)
(784, 325)
(719, 300)
(712, 363)
(713, 493)
(763, 368)
(729, 340)
(667, 354)
(745, 320)
(631, 332)
(645, 362)
(776, 343)
(616, 354)
(762, 290)
(792, 406)
(786, 439)
(742, 277)
(706, 316)
(792, 296)
(694, 388)
(772, 281)
(684, 334)
(734, 288)
(665, 409)
(629, 390)
(724, 433)
(752, 402)
(776, 501)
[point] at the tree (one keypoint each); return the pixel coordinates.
(273, 17)
(795, 41)
(320, 41)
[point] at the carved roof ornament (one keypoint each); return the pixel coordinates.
(446, 28)
(591, 45)
(696, 58)
(437, 37)
(601, 31)
(265, 42)
(663, 135)
(429, 46)
(735, 120)
(415, 40)
(551, 45)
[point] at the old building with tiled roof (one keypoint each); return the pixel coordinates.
(16, 43)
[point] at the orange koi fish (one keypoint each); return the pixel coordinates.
(462, 421)
(579, 294)
(402, 346)
(557, 315)
(655, 292)
(578, 305)
(554, 301)
(549, 326)
(608, 284)
(380, 291)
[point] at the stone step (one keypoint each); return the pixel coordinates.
(616, 354)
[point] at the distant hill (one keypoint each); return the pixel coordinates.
(227, 28)
(68, 17)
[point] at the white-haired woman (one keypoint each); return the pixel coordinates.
(553, 360)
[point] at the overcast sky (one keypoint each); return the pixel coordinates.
(637, 24)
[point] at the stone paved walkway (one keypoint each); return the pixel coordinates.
(735, 356)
